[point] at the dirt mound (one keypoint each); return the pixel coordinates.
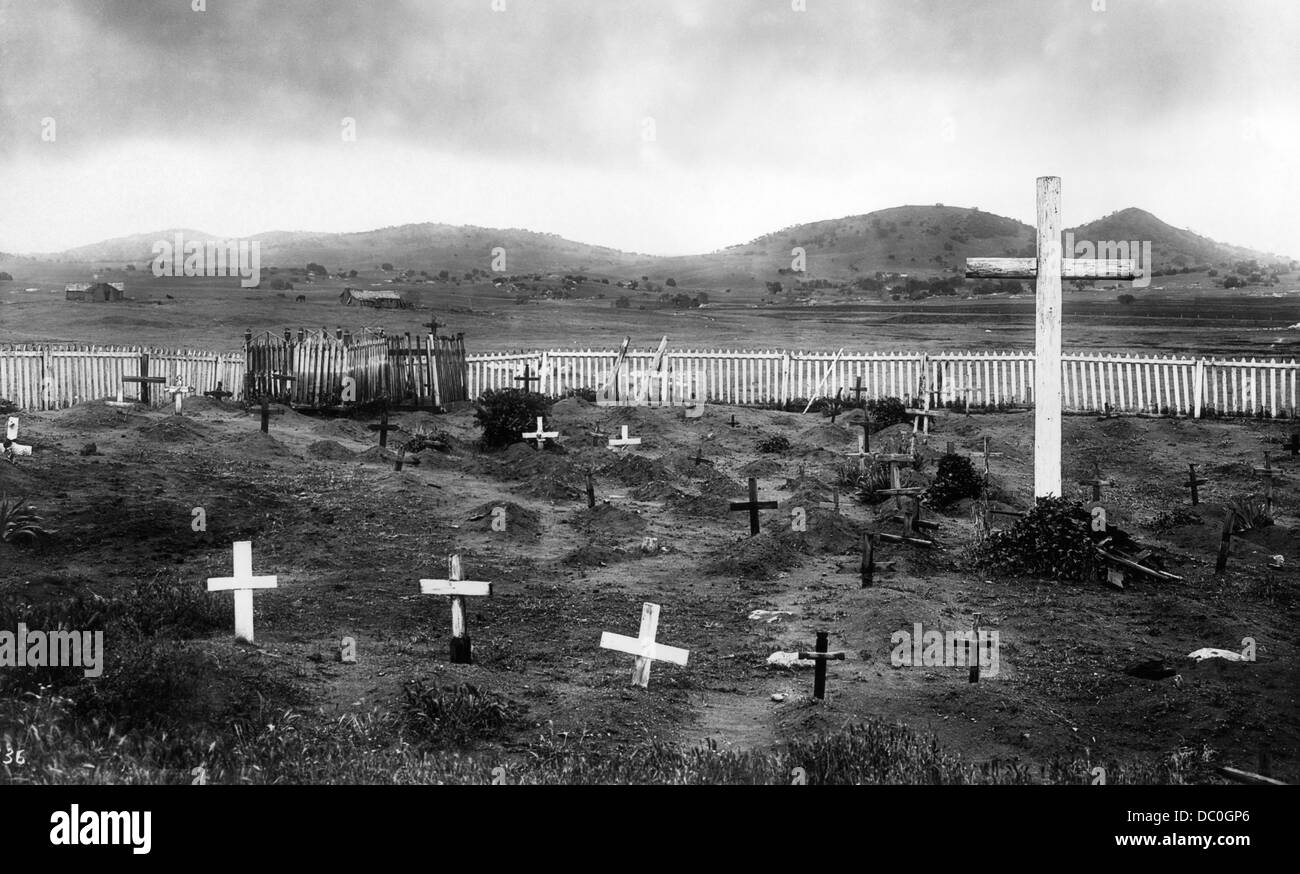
(826, 436)
(828, 533)
(519, 521)
(763, 467)
(761, 557)
(330, 451)
(573, 408)
(257, 445)
(598, 554)
(635, 470)
(657, 491)
(97, 415)
(348, 429)
(175, 429)
(606, 520)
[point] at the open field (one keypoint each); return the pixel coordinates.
(214, 313)
(349, 537)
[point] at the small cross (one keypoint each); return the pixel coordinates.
(986, 455)
(528, 377)
(857, 391)
(625, 440)
(383, 427)
(242, 583)
(178, 392)
(733, 420)
(862, 454)
(753, 505)
(643, 646)
(540, 435)
(1193, 482)
(459, 589)
(821, 656)
(217, 394)
(597, 434)
(432, 325)
(1096, 482)
(1270, 475)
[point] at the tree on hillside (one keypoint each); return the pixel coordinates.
(1231, 282)
(313, 267)
(387, 265)
(4, 276)
(670, 282)
(352, 274)
(1125, 298)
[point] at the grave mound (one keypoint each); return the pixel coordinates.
(634, 470)
(597, 554)
(657, 491)
(330, 451)
(96, 414)
(574, 406)
(348, 429)
(175, 429)
(606, 520)
(761, 557)
(762, 467)
(825, 437)
(828, 533)
(257, 445)
(520, 521)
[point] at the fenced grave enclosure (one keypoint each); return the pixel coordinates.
(305, 370)
(1091, 382)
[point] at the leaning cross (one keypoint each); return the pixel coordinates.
(615, 442)
(643, 646)
(753, 505)
(1048, 269)
(1270, 475)
(243, 583)
(458, 588)
(540, 435)
(821, 656)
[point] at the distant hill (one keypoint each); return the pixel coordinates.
(918, 240)
(418, 246)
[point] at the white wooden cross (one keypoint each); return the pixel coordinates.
(11, 448)
(643, 646)
(615, 442)
(540, 435)
(458, 588)
(178, 392)
(243, 583)
(1048, 269)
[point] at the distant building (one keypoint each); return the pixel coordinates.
(379, 299)
(94, 290)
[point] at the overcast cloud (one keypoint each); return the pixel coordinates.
(662, 126)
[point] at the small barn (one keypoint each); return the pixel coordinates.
(380, 299)
(94, 290)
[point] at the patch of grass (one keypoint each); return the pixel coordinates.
(441, 716)
(775, 443)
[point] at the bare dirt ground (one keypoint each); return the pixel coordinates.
(349, 538)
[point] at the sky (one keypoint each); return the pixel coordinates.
(656, 126)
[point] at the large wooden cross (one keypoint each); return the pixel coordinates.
(644, 647)
(458, 588)
(1048, 269)
(243, 583)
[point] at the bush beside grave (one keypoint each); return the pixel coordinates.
(505, 414)
(885, 412)
(1051, 541)
(955, 479)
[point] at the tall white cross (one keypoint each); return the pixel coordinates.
(243, 583)
(178, 392)
(1047, 269)
(540, 435)
(615, 442)
(458, 588)
(643, 646)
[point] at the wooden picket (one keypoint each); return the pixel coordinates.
(1091, 382)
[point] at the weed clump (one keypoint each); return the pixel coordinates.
(954, 479)
(505, 413)
(1051, 541)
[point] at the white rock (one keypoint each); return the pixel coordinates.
(1209, 653)
(788, 660)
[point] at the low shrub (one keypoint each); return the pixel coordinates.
(1051, 541)
(954, 479)
(505, 413)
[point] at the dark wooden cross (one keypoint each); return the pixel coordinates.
(868, 559)
(733, 420)
(528, 377)
(1270, 474)
(144, 379)
(1047, 270)
(753, 505)
(857, 391)
(432, 325)
(821, 657)
(836, 403)
(1193, 482)
(383, 427)
(1225, 542)
(591, 491)
(598, 435)
(1096, 482)
(266, 414)
(218, 394)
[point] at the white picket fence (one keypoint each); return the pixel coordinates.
(1091, 381)
(46, 376)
